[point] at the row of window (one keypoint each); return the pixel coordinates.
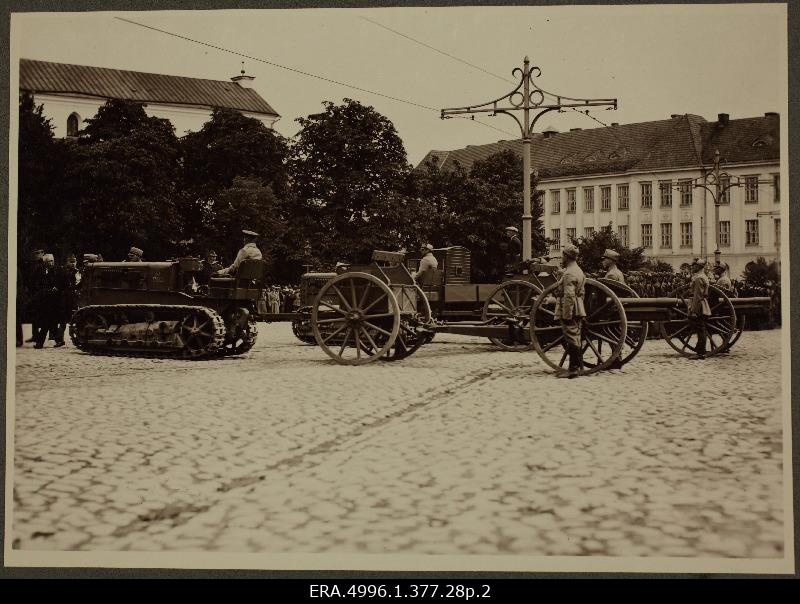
(665, 189)
(686, 234)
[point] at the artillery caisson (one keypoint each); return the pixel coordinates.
(158, 309)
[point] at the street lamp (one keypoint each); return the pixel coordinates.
(527, 97)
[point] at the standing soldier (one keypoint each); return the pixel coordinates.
(512, 246)
(570, 310)
(609, 260)
(698, 307)
(723, 278)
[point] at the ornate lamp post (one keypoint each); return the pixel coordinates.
(528, 98)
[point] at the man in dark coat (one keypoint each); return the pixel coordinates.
(68, 297)
(46, 300)
(210, 266)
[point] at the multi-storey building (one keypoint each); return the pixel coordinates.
(642, 181)
(72, 93)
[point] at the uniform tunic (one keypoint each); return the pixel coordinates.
(427, 263)
(249, 252)
(615, 274)
(699, 305)
(724, 282)
(569, 303)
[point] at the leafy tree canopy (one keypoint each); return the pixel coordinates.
(758, 272)
(591, 248)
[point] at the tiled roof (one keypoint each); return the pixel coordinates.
(61, 78)
(681, 141)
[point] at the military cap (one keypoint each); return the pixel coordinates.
(136, 251)
(611, 255)
(71, 257)
(48, 257)
(250, 233)
(570, 251)
(512, 228)
(426, 246)
(722, 266)
(90, 257)
(698, 262)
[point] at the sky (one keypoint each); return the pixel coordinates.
(656, 60)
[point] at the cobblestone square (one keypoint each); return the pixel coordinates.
(459, 449)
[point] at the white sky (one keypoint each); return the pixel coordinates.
(657, 60)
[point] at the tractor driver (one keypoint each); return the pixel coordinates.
(427, 262)
(249, 251)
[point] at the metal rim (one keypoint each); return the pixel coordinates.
(720, 325)
(363, 327)
(637, 330)
(408, 339)
(510, 299)
(603, 311)
(197, 332)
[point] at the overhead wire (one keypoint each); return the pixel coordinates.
(297, 71)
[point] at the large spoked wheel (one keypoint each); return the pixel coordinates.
(637, 330)
(740, 325)
(411, 335)
(510, 301)
(355, 318)
(603, 330)
(681, 332)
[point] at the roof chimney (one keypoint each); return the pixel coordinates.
(615, 123)
(575, 129)
(245, 81)
(723, 119)
(674, 115)
(771, 114)
(549, 132)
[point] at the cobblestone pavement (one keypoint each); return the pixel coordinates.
(460, 448)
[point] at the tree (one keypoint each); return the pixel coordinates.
(349, 171)
(654, 265)
(758, 272)
(591, 248)
(41, 160)
(122, 183)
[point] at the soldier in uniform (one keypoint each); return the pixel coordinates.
(427, 262)
(698, 307)
(570, 310)
(512, 246)
(135, 255)
(609, 260)
(723, 279)
(249, 251)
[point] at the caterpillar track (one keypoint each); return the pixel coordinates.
(156, 330)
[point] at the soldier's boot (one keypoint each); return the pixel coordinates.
(575, 361)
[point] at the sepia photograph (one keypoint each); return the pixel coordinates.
(410, 288)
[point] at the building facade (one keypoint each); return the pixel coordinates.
(72, 93)
(644, 182)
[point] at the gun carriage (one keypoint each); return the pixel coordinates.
(158, 309)
(378, 312)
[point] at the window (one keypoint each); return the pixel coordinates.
(622, 231)
(571, 235)
(686, 234)
(588, 199)
(647, 235)
(724, 233)
(555, 202)
(751, 232)
(666, 234)
(622, 197)
(647, 194)
(777, 233)
(570, 201)
(665, 191)
(555, 235)
(724, 190)
(588, 231)
(685, 187)
(751, 189)
(605, 199)
(776, 188)
(73, 122)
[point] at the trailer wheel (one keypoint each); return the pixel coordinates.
(361, 323)
(511, 300)
(721, 326)
(603, 333)
(409, 336)
(637, 330)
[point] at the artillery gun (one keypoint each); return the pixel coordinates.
(157, 309)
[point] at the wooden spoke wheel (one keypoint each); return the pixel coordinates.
(411, 336)
(603, 330)
(740, 325)
(355, 318)
(681, 332)
(637, 330)
(510, 301)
